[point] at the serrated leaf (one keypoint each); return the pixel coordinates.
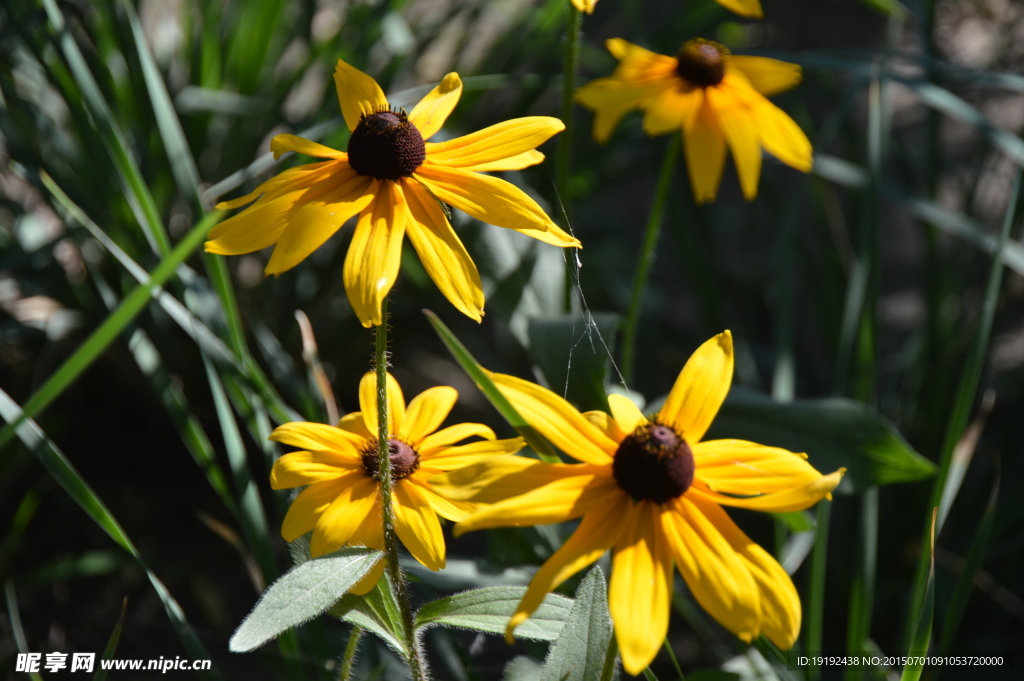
(573, 353)
(584, 650)
(301, 594)
(490, 608)
(833, 432)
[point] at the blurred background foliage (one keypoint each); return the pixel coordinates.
(121, 123)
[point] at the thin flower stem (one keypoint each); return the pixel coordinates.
(349, 657)
(563, 158)
(816, 598)
(643, 265)
(380, 362)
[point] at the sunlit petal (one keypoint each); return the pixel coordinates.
(501, 141)
(358, 94)
(745, 468)
(450, 509)
(298, 469)
(311, 502)
(426, 412)
(704, 145)
(375, 254)
(282, 144)
(507, 476)
(339, 520)
(417, 526)
(433, 110)
(626, 413)
(782, 137)
(745, 8)
(318, 437)
(792, 499)
(700, 389)
(354, 423)
(453, 434)
(368, 403)
(767, 76)
(739, 126)
(450, 458)
(672, 109)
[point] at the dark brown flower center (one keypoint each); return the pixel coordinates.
(404, 460)
(654, 464)
(702, 62)
(385, 145)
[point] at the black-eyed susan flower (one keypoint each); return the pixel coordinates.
(339, 468)
(745, 8)
(716, 99)
(395, 181)
(652, 491)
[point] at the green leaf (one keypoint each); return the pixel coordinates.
(923, 628)
(521, 668)
(584, 650)
(377, 612)
(469, 364)
(115, 637)
(833, 432)
(490, 608)
(301, 594)
(573, 352)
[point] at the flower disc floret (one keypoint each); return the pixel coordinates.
(702, 62)
(386, 146)
(653, 463)
(404, 459)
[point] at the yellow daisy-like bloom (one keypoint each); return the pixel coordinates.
(652, 492)
(745, 8)
(716, 99)
(339, 469)
(395, 181)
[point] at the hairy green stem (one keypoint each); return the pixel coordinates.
(643, 265)
(380, 364)
(349, 656)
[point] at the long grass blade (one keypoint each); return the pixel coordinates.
(923, 629)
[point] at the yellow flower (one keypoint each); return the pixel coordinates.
(715, 98)
(746, 8)
(652, 492)
(395, 181)
(339, 469)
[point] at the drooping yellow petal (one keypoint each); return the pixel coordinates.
(358, 94)
(452, 458)
(745, 8)
(718, 579)
(767, 76)
(597, 533)
(704, 146)
(452, 434)
(700, 389)
(443, 256)
(505, 476)
(450, 509)
(493, 201)
(626, 413)
(792, 499)
(739, 127)
(640, 590)
(555, 502)
(368, 403)
(375, 254)
(339, 520)
(354, 423)
(307, 508)
(426, 412)
(282, 144)
(318, 437)
(780, 603)
(782, 137)
(316, 218)
(364, 585)
(745, 468)
(433, 110)
(297, 469)
(300, 177)
(495, 143)
(417, 526)
(557, 420)
(611, 98)
(674, 108)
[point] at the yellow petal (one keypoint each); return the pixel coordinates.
(700, 389)
(585, 6)
(366, 584)
(493, 201)
(792, 499)
(370, 534)
(782, 137)
(417, 526)
(719, 580)
(426, 412)
(375, 254)
(443, 256)
(307, 508)
(517, 162)
(343, 516)
(501, 141)
(555, 502)
(557, 420)
(354, 423)
(505, 476)
(597, 533)
(315, 219)
(640, 590)
(299, 177)
(358, 94)
(767, 76)
(298, 469)
(739, 127)
(318, 437)
(456, 511)
(282, 144)
(780, 604)
(450, 458)
(452, 434)
(745, 8)
(433, 110)
(368, 403)
(606, 424)
(704, 145)
(610, 99)
(745, 468)
(674, 108)
(626, 413)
